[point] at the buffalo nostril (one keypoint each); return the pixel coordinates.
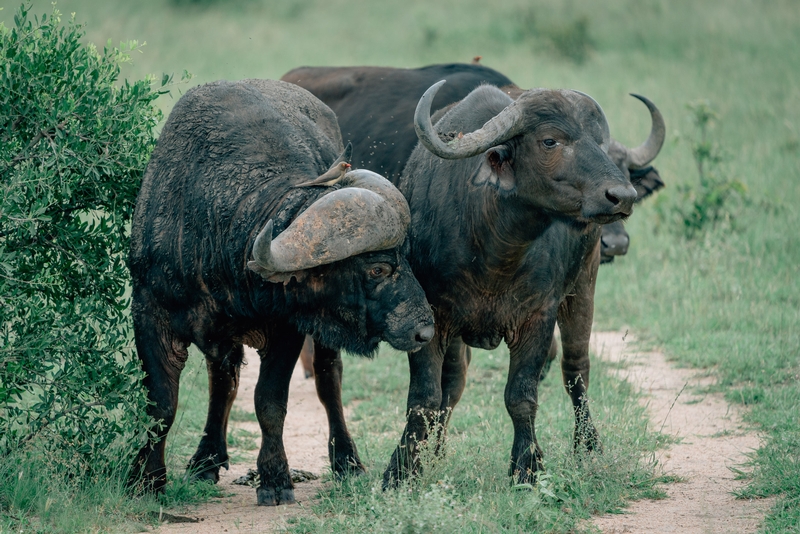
(424, 334)
(622, 197)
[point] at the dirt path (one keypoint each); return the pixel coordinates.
(713, 440)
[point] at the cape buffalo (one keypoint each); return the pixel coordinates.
(226, 251)
(507, 197)
(375, 107)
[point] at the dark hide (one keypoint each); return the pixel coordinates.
(225, 164)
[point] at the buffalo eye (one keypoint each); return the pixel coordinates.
(550, 143)
(381, 270)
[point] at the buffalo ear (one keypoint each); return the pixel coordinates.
(646, 182)
(496, 169)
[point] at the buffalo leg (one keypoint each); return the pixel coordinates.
(328, 376)
(454, 378)
(575, 322)
(423, 410)
(223, 383)
(163, 357)
(307, 357)
(271, 398)
(528, 350)
(552, 354)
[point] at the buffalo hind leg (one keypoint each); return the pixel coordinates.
(575, 322)
(552, 355)
(328, 377)
(307, 357)
(223, 383)
(528, 353)
(163, 357)
(423, 410)
(271, 398)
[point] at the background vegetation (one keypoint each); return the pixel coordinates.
(72, 150)
(723, 295)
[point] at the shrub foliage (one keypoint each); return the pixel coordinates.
(713, 200)
(73, 147)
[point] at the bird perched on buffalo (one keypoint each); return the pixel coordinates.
(336, 171)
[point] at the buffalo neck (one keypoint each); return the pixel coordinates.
(502, 228)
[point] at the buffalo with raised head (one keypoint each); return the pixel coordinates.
(375, 108)
(507, 197)
(226, 251)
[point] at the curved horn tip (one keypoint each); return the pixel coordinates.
(428, 95)
(647, 102)
(261, 246)
(437, 85)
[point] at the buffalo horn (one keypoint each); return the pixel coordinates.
(368, 214)
(500, 128)
(643, 154)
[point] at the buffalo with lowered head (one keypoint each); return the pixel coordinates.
(507, 198)
(375, 108)
(226, 251)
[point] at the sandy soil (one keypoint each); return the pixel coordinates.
(713, 440)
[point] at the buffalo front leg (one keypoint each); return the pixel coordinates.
(423, 411)
(271, 398)
(454, 378)
(575, 322)
(328, 377)
(163, 357)
(223, 383)
(529, 350)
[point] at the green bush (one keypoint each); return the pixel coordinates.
(73, 148)
(712, 200)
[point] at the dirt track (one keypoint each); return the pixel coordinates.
(713, 440)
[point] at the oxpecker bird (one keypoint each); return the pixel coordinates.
(331, 176)
(335, 173)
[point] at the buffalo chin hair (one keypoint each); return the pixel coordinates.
(339, 336)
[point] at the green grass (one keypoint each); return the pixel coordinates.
(728, 302)
(468, 490)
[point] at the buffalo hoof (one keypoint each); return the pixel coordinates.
(348, 467)
(587, 439)
(390, 482)
(392, 478)
(211, 475)
(520, 479)
(273, 497)
(401, 466)
(526, 469)
(206, 469)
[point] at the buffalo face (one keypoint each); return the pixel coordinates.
(549, 148)
(362, 300)
(565, 164)
(350, 281)
(396, 303)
